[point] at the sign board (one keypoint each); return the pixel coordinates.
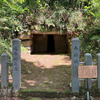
(87, 71)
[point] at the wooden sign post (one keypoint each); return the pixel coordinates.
(87, 71)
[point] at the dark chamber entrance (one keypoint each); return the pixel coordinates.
(51, 44)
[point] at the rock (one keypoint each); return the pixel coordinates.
(46, 82)
(70, 84)
(29, 72)
(5, 92)
(24, 36)
(91, 98)
(26, 43)
(5, 98)
(74, 98)
(51, 82)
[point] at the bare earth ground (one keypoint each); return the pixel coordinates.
(45, 71)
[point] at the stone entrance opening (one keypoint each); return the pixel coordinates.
(50, 44)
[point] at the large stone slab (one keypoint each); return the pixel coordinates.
(24, 36)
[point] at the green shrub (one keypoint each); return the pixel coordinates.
(5, 47)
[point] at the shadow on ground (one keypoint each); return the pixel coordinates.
(43, 80)
(38, 77)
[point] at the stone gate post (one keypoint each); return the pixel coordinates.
(4, 70)
(88, 61)
(98, 70)
(75, 64)
(16, 53)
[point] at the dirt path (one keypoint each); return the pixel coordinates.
(46, 60)
(45, 71)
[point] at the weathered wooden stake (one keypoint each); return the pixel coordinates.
(88, 61)
(98, 70)
(16, 64)
(4, 70)
(75, 64)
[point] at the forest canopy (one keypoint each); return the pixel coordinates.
(49, 15)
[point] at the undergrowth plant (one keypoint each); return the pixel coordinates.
(12, 19)
(5, 47)
(90, 37)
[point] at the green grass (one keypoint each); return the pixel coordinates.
(60, 76)
(23, 48)
(33, 99)
(46, 99)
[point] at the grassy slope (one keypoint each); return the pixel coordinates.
(49, 83)
(41, 81)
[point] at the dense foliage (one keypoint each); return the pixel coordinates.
(5, 47)
(10, 23)
(79, 17)
(90, 37)
(11, 19)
